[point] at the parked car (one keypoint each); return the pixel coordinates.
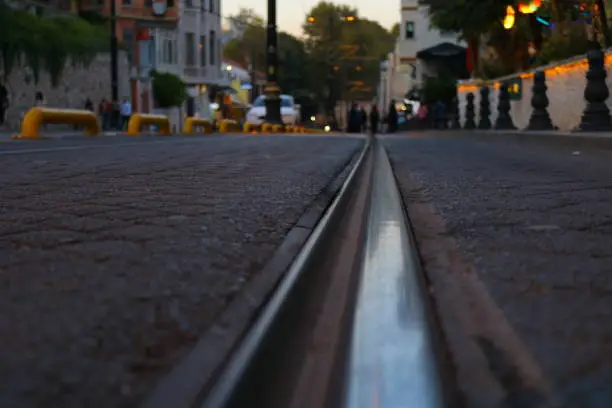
(289, 110)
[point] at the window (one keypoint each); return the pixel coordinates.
(211, 47)
(126, 2)
(127, 43)
(211, 6)
(189, 3)
(189, 49)
(202, 50)
(170, 52)
(409, 30)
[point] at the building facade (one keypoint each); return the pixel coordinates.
(420, 52)
(181, 37)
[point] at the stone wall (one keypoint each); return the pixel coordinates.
(76, 85)
(566, 81)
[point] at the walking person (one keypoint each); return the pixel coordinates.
(125, 111)
(4, 103)
(392, 118)
(354, 120)
(374, 119)
(364, 119)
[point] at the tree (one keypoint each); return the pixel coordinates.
(471, 19)
(168, 90)
(395, 30)
(345, 52)
(249, 49)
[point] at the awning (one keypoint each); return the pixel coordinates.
(442, 50)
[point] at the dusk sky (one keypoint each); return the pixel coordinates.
(292, 12)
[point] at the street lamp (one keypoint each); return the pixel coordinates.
(271, 90)
(114, 65)
(334, 17)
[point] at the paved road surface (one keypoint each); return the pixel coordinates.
(115, 254)
(533, 223)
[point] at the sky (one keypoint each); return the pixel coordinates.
(292, 13)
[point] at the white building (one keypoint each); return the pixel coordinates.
(418, 53)
(191, 50)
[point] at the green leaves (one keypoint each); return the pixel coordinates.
(47, 43)
(168, 89)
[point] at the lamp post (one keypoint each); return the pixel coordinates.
(113, 61)
(272, 91)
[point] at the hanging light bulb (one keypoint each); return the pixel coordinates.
(508, 21)
(529, 7)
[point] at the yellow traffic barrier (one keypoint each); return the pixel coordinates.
(229, 126)
(290, 129)
(251, 128)
(266, 128)
(277, 128)
(138, 120)
(36, 117)
(192, 124)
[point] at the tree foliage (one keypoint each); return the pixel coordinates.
(306, 64)
(47, 42)
(168, 89)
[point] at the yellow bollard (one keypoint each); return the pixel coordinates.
(266, 128)
(228, 126)
(192, 123)
(277, 128)
(138, 120)
(36, 117)
(251, 128)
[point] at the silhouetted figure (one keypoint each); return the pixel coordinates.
(354, 120)
(364, 119)
(89, 105)
(392, 118)
(374, 119)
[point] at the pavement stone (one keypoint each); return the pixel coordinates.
(116, 255)
(534, 221)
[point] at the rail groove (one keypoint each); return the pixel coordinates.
(349, 326)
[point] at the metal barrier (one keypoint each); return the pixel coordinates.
(229, 126)
(192, 123)
(266, 128)
(36, 117)
(251, 128)
(138, 120)
(277, 128)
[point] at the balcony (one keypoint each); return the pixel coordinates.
(191, 72)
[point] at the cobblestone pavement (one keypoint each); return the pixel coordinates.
(535, 224)
(116, 254)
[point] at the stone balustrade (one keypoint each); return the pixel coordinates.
(566, 82)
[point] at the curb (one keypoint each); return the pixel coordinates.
(191, 378)
(565, 139)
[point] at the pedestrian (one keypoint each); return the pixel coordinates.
(354, 120)
(374, 119)
(89, 105)
(125, 111)
(422, 116)
(4, 103)
(364, 119)
(392, 118)
(39, 99)
(439, 113)
(104, 113)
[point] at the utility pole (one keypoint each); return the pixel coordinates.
(272, 91)
(113, 51)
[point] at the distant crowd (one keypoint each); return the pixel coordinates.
(359, 121)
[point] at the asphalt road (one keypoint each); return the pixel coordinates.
(516, 240)
(116, 253)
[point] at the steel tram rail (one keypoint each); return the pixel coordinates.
(350, 324)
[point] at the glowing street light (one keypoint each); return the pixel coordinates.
(510, 18)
